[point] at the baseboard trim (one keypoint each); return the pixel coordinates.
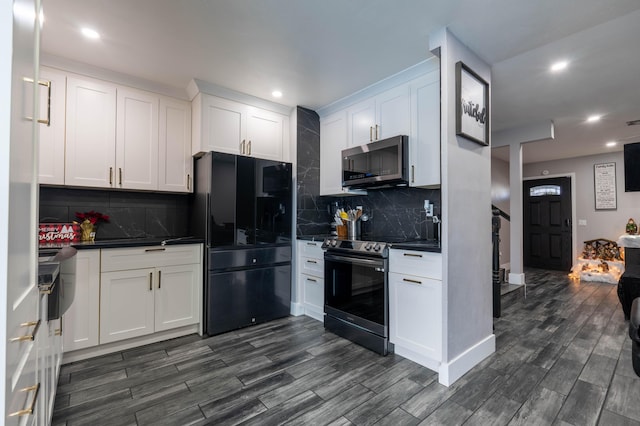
(424, 361)
(80, 354)
(516, 278)
(318, 316)
(451, 371)
(297, 309)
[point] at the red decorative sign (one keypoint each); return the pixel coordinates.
(58, 234)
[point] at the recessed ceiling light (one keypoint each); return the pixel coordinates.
(611, 143)
(276, 94)
(593, 118)
(90, 33)
(559, 66)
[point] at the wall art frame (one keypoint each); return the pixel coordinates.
(604, 183)
(472, 105)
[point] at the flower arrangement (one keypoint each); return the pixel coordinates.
(92, 216)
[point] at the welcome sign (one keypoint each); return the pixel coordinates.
(472, 105)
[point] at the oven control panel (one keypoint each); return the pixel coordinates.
(371, 247)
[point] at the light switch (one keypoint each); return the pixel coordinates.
(582, 222)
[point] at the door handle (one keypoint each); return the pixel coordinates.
(370, 133)
(120, 175)
(110, 175)
(377, 135)
(46, 84)
(150, 281)
(159, 280)
(242, 144)
(249, 148)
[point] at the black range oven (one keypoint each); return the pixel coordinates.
(356, 292)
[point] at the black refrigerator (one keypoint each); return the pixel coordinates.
(242, 208)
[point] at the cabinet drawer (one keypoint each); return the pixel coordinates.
(417, 263)
(120, 259)
(313, 291)
(311, 249)
(311, 266)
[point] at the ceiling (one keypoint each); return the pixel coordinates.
(317, 52)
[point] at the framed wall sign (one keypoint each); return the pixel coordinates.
(472, 105)
(604, 178)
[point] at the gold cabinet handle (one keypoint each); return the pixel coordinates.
(28, 411)
(120, 175)
(58, 331)
(159, 279)
(249, 148)
(46, 84)
(412, 281)
(377, 128)
(34, 324)
(412, 255)
(242, 144)
(110, 175)
(150, 281)
(370, 133)
(188, 182)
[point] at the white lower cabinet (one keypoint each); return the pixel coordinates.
(126, 304)
(80, 323)
(129, 293)
(310, 263)
(415, 305)
(147, 298)
(176, 298)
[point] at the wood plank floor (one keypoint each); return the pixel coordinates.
(563, 357)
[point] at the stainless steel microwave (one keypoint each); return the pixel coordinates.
(376, 164)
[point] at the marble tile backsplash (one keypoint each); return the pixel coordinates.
(131, 214)
(394, 212)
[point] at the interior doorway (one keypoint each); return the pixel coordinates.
(547, 223)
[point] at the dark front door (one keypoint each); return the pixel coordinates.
(547, 223)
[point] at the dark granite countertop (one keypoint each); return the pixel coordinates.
(136, 242)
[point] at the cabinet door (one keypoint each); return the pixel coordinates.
(175, 170)
(137, 139)
(126, 304)
(313, 295)
(333, 139)
(80, 323)
(415, 314)
(424, 140)
(52, 102)
(177, 296)
(265, 131)
(222, 125)
(393, 109)
(362, 122)
(91, 133)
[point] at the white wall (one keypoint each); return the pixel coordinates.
(466, 228)
(608, 224)
(500, 197)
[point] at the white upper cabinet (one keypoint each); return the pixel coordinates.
(408, 105)
(362, 122)
(91, 133)
(175, 170)
(116, 137)
(424, 143)
(265, 134)
(380, 117)
(136, 139)
(393, 109)
(52, 104)
(227, 126)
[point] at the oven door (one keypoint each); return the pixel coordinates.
(356, 291)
